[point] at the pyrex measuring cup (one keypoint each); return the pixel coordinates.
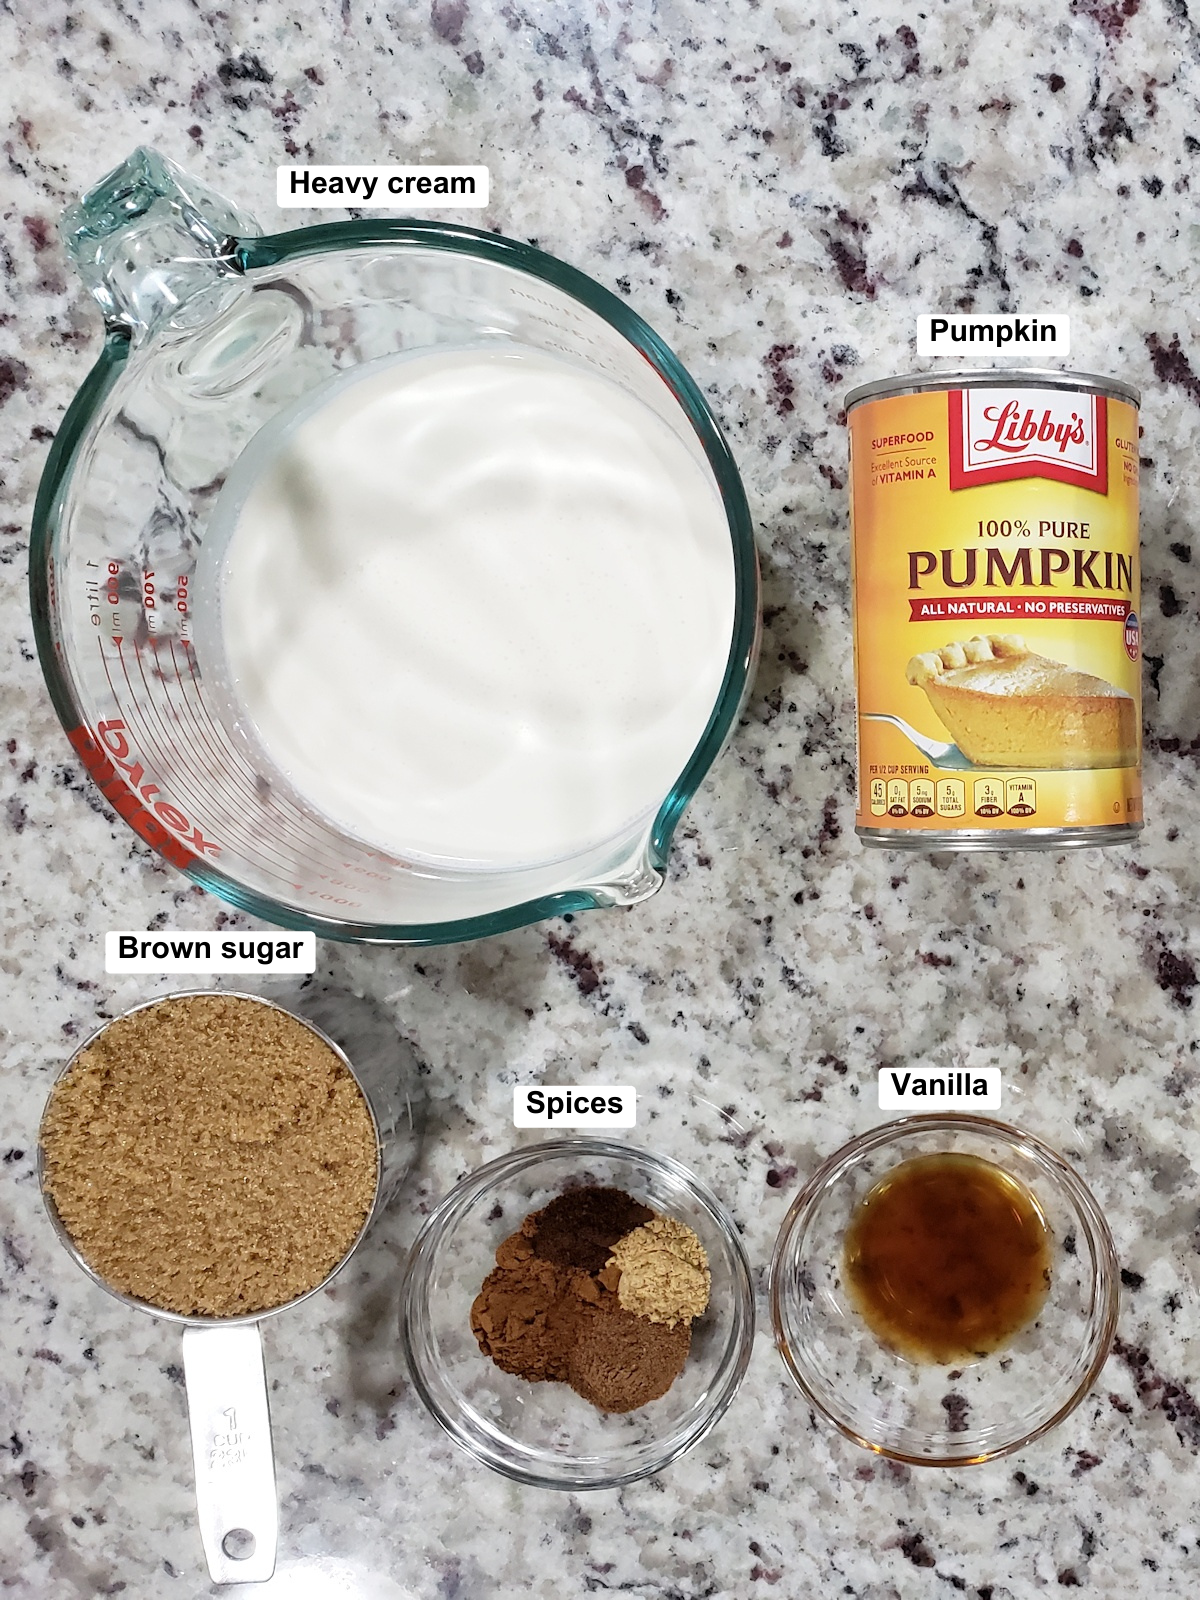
(211, 333)
(223, 1369)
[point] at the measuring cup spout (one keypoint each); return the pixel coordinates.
(156, 248)
(633, 881)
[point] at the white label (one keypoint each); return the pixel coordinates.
(993, 333)
(159, 950)
(383, 188)
(596, 1105)
(930, 1089)
(1005, 431)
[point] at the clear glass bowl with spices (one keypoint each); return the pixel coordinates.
(965, 1318)
(565, 1198)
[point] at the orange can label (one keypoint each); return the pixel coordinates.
(997, 638)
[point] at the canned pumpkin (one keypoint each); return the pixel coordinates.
(994, 528)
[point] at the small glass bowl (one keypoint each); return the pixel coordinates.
(930, 1415)
(544, 1433)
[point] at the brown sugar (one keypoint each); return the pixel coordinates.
(551, 1311)
(210, 1155)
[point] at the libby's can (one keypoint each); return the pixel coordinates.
(997, 643)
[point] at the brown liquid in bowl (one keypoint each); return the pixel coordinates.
(947, 1258)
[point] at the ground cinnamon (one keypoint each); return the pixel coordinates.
(526, 1318)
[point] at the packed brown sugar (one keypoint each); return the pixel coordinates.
(210, 1155)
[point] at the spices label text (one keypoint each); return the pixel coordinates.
(159, 950)
(600, 1105)
(932, 1089)
(382, 188)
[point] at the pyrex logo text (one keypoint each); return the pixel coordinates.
(131, 796)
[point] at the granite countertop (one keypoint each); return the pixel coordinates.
(779, 189)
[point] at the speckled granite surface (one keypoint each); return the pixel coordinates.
(779, 189)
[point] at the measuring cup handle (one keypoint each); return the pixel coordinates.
(148, 238)
(231, 1448)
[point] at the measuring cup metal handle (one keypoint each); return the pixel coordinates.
(231, 1448)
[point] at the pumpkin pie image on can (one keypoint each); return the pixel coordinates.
(1006, 706)
(996, 600)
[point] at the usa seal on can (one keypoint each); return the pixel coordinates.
(997, 649)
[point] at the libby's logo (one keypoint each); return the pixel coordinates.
(1000, 434)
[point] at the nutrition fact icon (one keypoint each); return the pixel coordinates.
(1020, 796)
(989, 797)
(947, 797)
(951, 797)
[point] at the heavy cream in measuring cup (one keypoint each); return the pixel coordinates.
(477, 607)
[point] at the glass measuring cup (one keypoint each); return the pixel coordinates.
(224, 1375)
(211, 333)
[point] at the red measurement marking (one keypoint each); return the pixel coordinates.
(274, 855)
(291, 826)
(112, 736)
(190, 785)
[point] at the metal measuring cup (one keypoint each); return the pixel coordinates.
(224, 1374)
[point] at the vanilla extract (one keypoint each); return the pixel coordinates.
(947, 1258)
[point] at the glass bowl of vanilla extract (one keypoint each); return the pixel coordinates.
(944, 1290)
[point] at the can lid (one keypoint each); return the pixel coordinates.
(993, 378)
